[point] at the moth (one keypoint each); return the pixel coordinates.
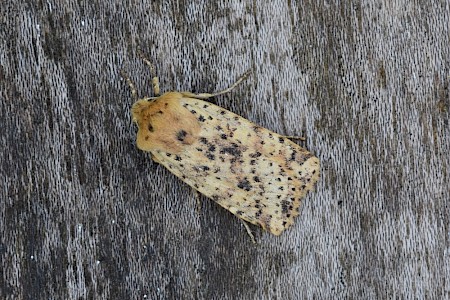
(258, 175)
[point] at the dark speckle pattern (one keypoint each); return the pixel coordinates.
(256, 174)
(244, 184)
(181, 135)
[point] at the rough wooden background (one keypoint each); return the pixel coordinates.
(85, 215)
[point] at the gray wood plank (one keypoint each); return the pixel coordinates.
(86, 215)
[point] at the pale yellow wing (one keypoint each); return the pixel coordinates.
(256, 174)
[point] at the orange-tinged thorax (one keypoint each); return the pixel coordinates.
(164, 124)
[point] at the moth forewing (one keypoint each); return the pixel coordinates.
(258, 175)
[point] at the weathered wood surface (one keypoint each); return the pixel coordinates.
(85, 215)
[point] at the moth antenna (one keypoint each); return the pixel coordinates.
(130, 84)
(227, 90)
(235, 84)
(155, 80)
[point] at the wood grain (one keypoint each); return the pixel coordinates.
(85, 215)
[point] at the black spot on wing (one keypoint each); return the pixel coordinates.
(255, 155)
(201, 168)
(232, 150)
(181, 135)
(293, 155)
(245, 185)
(285, 206)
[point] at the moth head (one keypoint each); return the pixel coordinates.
(139, 107)
(146, 115)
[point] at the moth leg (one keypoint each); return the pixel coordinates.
(155, 80)
(197, 196)
(227, 90)
(294, 137)
(130, 84)
(154, 159)
(252, 237)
